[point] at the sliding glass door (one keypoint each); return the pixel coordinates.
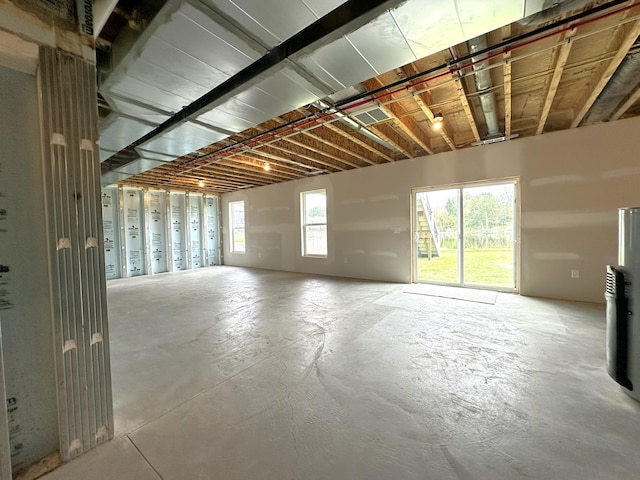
(466, 235)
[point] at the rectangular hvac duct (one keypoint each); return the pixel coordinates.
(117, 131)
(185, 138)
(139, 166)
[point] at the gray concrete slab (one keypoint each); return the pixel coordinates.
(115, 460)
(230, 373)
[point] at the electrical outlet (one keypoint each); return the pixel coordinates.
(575, 273)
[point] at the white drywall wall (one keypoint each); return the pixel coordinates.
(572, 184)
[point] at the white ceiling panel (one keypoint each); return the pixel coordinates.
(181, 63)
(478, 18)
(165, 80)
(182, 55)
(532, 6)
(227, 116)
(105, 154)
(411, 31)
(183, 139)
(338, 64)
(139, 166)
(112, 177)
(192, 31)
(274, 21)
(280, 93)
(145, 93)
(117, 132)
(157, 156)
(383, 44)
(145, 114)
(321, 7)
(429, 30)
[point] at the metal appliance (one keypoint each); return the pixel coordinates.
(623, 305)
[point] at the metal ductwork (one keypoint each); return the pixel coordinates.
(552, 9)
(622, 84)
(482, 77)
(101, 11)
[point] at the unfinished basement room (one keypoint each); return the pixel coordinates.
(320, 239)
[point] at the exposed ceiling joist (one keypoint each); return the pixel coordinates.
(624, 39)
(245, 162)
(462, 96)
(389, 135)
(401, 118)
(354, 136)
(421, 98)
(561, 61)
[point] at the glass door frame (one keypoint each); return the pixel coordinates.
(460, 224)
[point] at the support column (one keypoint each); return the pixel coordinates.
(75, 250)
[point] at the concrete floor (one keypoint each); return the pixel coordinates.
(229, 373)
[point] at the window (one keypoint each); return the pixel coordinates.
(236, 226)
(313, 206)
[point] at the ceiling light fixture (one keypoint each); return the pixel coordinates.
(437, 121)
(201, 183)
(267, 167)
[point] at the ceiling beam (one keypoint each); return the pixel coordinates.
(289, 151)
(561, 61)
(626, 37)
(255, 165)
(422, 98)
(398, 113)
(343, 148)
(256, 173)
(319, 151)
(260, 154)
(394, 142)
(464, 101)
(289, 137)
(341, 129)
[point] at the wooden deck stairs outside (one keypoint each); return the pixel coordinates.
(427, 231)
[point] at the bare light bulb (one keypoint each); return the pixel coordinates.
(267, 167)
(437, 121)
(201, 183)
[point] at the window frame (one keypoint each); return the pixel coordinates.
(304, 224)
(234, 228)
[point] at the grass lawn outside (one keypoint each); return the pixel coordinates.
(491, 266)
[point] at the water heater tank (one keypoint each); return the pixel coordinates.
(629, 266)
